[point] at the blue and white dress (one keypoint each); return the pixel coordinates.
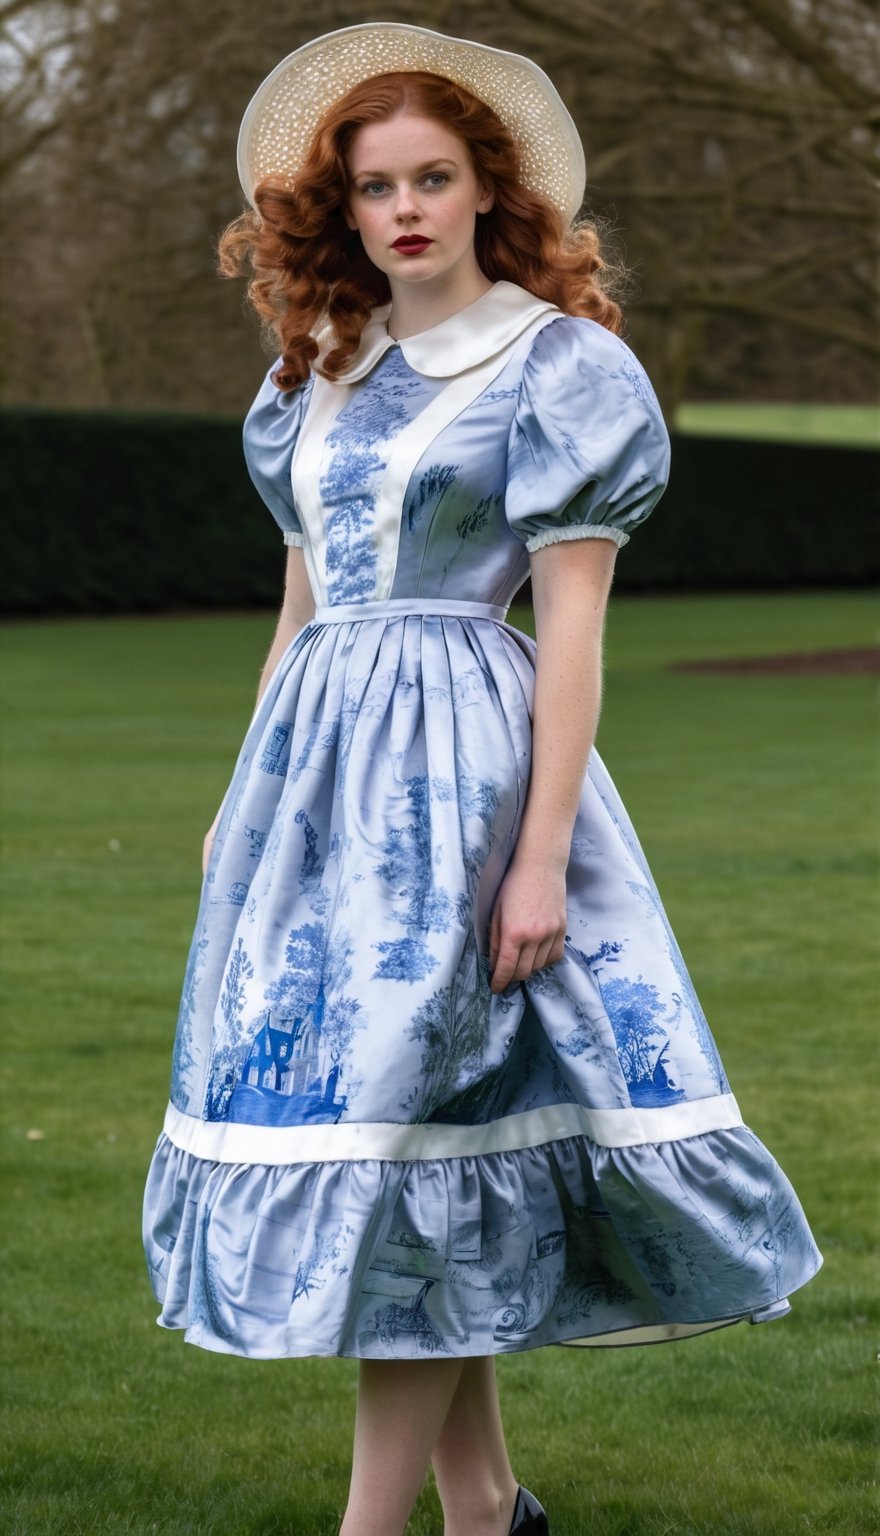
(366, 1153)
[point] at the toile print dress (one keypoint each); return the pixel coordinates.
(367, 1153)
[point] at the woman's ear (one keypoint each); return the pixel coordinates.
(486, 200)
(348, 216)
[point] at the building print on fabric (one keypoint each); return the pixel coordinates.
(280, 1062)
(284, 1066)
(276, 752)
(287, 1059)
(366, 1152)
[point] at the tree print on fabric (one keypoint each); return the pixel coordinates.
(636, 1009)
(184, 1063)
(299, 988)
(360, 433)
(699, 1023)
(477, 797)
(404, 960)
(408, 868)
(232, 998)
(453, 1026)
(639, 1018)
(234, 1043)
(590, 1039)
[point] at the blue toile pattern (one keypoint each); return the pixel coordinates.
(338, 980)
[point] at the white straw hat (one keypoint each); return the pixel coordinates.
(279, 124)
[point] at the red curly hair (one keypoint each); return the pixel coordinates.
(309, 268)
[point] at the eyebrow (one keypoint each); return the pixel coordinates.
(419, 168)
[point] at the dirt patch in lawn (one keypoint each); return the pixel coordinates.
(864, 658)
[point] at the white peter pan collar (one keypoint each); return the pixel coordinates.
(475, 334)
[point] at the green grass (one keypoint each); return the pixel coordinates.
(856, 425)
(753, 798)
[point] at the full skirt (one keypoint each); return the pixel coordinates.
(366, 1152)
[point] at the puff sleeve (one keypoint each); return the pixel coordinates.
(588, 455)
(270, 432)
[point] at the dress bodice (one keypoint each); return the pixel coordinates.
(436, 465)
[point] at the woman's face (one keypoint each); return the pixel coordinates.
(414, 197)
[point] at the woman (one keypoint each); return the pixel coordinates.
(442, 1088)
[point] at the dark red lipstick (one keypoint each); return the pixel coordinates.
(411, 245)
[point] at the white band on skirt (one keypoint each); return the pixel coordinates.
(228, 1141)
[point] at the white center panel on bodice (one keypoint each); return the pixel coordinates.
(404, 453)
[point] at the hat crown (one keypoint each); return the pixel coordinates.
(280, 122)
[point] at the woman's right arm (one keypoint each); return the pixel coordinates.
(297, 608)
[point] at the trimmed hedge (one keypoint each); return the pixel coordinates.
(756, 514)
(120, 512)
(113, 513)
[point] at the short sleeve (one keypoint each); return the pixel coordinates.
(271, 428)
(588, 455)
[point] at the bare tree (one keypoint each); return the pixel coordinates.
(731, 146)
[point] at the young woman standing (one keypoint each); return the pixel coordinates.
(442, 1088)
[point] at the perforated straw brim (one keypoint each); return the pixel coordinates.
(279, 124)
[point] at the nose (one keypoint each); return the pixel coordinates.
(407, 206)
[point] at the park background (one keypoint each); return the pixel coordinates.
(730, 154)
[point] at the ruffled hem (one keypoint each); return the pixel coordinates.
(566, 1243)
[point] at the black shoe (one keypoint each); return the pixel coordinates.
(529, 1519)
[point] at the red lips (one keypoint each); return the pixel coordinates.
(412, 243)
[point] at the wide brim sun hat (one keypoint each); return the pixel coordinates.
(280, 122)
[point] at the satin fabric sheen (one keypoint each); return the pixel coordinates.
(338, 981)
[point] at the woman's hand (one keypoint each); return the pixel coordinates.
(570, 585)
(209, 842)
(527, 928)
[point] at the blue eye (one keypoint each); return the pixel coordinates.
(370, 187)
(437, 178)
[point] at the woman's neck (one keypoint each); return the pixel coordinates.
(417, 307)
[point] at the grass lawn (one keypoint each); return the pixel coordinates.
(856, 425)
(752, 795)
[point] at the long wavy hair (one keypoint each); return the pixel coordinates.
(309, 270)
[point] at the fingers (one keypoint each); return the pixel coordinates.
(544, 952)
(555, 950)
(513, 961)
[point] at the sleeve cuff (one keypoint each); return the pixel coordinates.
(293, 539)
(575, 531)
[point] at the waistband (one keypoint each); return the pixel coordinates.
(405, 607)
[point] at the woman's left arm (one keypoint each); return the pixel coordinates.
(571, 581)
